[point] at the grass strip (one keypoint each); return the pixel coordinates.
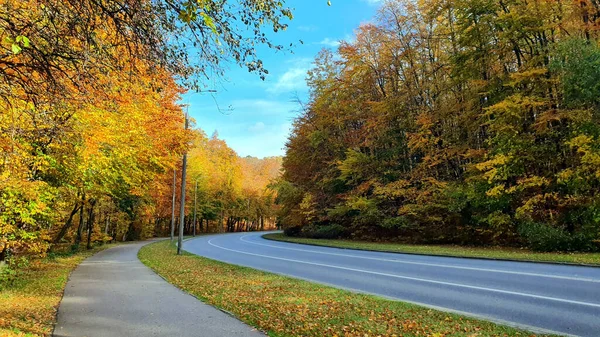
(28, 304)
(496, 253)
(284, 306)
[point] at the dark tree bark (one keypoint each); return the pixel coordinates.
(67, 224)
(90, 224)
(107, 224)
(81, 221)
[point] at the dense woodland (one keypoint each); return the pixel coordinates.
(91, 129)
(454, 121)
(231, 193)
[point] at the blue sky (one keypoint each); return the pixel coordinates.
(256, 116)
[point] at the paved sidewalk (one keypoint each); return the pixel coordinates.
(113, 294)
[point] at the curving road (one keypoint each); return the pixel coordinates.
(540, 297)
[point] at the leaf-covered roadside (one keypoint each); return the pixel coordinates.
(28, 303)
(502, 253)
(283, 306)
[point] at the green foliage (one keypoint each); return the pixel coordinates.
(7, 274)
(396, 222)
(333, 231)
(353, 168)
(544, 238)
(577, 64)
(292, 231)
(290, 198)
(25, 215)
(454, 121)
(504, 253)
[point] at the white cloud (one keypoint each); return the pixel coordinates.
(292, 80)
(330, 42)
(310, 28)
(350, 38)
(253, 107)
(268, 142)
(257, 127)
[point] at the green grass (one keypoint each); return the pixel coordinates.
(449, 250)
(284, 306)
(28, 303)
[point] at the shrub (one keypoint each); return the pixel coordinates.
(7, 274)
(292, 231)
(325, 232)
(543, 238)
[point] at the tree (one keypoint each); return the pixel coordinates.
(90, 120)
(452, 121)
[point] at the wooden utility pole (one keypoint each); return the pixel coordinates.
(182, 199)
(173, 206)
(195, 203)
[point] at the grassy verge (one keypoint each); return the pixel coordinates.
(284, 306)
(456, 251)
(28, 304)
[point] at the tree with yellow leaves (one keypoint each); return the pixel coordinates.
(454, 121)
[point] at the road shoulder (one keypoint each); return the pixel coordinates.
(286, 306)
(574, 259)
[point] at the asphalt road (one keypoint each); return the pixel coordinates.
(113, 294)
(550, 298)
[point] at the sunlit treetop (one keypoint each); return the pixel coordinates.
(191, 39)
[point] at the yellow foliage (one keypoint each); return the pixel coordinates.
(491, 168)
(496, 191)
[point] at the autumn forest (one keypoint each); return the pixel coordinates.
(473, 122)
(92, 124)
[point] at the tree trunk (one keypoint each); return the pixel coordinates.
(220, 224)
(81, 222)
(90, 225)
(67, 225)
(106, 225)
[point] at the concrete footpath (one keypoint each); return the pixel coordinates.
(113, 294)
